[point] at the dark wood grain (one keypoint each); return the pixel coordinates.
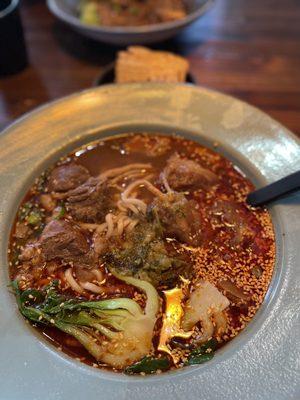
(250, 49)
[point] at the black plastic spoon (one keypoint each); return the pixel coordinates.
(274, 190)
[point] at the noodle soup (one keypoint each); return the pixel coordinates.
(138, 253)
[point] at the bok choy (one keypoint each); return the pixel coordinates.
(114, 331)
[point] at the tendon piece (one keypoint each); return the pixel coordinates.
(204, 302)
(231, 289)
(62, 240)
(179, 217)
(182, 173)
(171, 320)
(67, 177)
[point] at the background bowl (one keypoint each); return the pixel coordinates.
(67, 11)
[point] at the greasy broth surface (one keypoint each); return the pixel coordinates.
(249, 264)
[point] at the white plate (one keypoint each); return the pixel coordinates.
(263, 361)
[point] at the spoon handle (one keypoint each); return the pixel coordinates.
(276, 189)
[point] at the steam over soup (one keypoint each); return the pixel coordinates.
(138, 253)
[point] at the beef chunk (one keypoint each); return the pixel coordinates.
(32, 255)
(234, 218)
(67, 177)
(182, 173)
(61, 239)
(89, 202)
(179, 218)
(22, 231)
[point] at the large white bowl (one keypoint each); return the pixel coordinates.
(67, 11)
(262, 362)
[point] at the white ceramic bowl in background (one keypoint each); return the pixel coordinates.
(67, 11)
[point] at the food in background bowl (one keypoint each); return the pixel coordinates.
(130, 12)
(139, 253)
(69, 12)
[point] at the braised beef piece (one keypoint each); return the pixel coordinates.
(182, 173)
(61, 239)
(89, 202)
(179, 218)
(32, 264)
(230, 214)
(27, 274)
(52, 267)
(67, 177)
(32, 254)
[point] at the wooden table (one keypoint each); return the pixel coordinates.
(250, 49)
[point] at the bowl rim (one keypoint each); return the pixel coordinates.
(144, 29)
(227, 363)
(10, 8)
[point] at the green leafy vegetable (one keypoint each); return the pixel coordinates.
(208, 347)
(32, 215)
(24, 211)
(41, 182)
(149, 365)
(203, 353)
(34, 218)
(202, 358)
(127, 327)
